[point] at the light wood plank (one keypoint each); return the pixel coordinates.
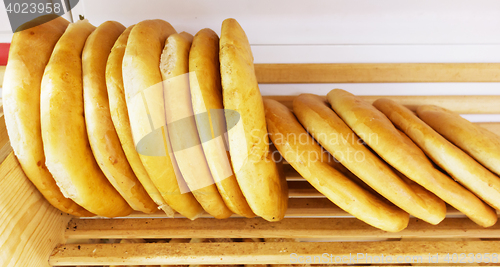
(377, 72)
(258, 252)
(302, 189)
(297, 208)
(479, 104)
(30, 227)
(347, 228)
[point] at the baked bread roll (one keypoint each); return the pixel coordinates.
(478, 142)
(121, 122)
(254, 169)
(29, 53)
(454, 161)
(146, 110)
(181, 126)
(306, 156)
(101, 131)
(65, 140)
(206, 98)
(337, 138)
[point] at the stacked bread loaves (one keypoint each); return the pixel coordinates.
(388, 148)
(108, 120)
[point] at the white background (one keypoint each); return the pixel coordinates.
(338, 31)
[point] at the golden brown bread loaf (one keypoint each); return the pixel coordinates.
(144, 96)
(65, 140)
(306, 156)
(255, 171)
(479, 143)
(29, 53)
(101, 131)
(206, 98)
(121, 122)
(336, 137)
(454, 161)
(181, 126)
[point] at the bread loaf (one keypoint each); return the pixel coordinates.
(254, 169)
(307, 157)
(144, 96)
(29, 53)
(65, 140)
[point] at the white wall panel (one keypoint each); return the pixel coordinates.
(376, 53)
(331, 31)
(321, 21)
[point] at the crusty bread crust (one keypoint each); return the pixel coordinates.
(65, 140)
(206, 98)
(29, 53)
(121, 122)
(306, 156)
(181, 126)
(336, 137)
(101, 131)
(255, 171)
(454, 161)
(478, 142)
(143, 85)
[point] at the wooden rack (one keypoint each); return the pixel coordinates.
(33, 233)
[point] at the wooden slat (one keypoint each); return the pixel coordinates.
(370, 73)
(302, 189)
(291, 174)
(478, 104)
(297, 208)
(377, 72)
(257, 228)
(30, 227)
(260, 252)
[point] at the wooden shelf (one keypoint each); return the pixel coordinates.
(259, 253)
(323, 228)
(377, 72)
(33, 233)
